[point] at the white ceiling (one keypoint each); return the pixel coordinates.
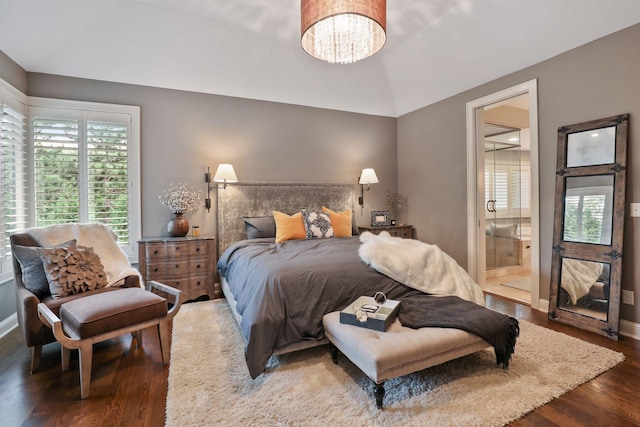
(251, 48)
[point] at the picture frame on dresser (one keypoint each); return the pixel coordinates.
(380, 218)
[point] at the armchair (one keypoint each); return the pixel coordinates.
(35, 333)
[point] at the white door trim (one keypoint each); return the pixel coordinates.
(474, 180)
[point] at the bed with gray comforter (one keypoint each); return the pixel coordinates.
(283, 290)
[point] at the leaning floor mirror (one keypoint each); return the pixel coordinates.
(586, 267)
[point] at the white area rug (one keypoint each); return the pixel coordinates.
(209, 383)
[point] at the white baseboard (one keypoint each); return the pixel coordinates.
(627, 328)
(8, 324)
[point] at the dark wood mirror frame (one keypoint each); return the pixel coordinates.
(560, 307)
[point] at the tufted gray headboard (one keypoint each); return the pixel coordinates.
(260, 199)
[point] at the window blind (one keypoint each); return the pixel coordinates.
(107, 145)
(13, 176)
(56, 170)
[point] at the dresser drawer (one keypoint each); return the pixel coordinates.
(197, 249)
(156, 251)
(177, 250)
(179, 283)
(172, 269)
(199, 267)
(198, 285)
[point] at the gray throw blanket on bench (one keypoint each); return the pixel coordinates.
(497, 329)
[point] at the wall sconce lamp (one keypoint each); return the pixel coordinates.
(368, 176)
(224, 174)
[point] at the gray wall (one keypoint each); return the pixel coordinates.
(12, 73)
(598, 80)
(184, 132)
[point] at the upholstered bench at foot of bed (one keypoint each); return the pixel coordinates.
(96, 318)
(398, 351)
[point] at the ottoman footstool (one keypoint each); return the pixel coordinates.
(398, 351)
(100, 317)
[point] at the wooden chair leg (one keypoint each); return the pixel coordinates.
(138, 336)
(66, 355)
(36, 353)
(86, 353)
(163, 334)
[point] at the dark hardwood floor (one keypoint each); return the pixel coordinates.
(129, 385)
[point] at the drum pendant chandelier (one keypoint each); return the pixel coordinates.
(343, 31)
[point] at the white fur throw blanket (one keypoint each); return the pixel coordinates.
(418, 265)
(97, 236)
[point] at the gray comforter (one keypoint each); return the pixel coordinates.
(283, 290)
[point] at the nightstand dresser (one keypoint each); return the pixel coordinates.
(186, 263)
(404, 231)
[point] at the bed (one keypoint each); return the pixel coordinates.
(279, 292)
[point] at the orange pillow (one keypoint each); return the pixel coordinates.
(289, 227)
(340, 222)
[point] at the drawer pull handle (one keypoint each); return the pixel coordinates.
(155, 252)
(198, 283)
(155, 269)
(177, 265)
(177, 248)
(198, 266)
(197, 249)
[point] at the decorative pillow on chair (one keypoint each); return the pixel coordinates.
(72, 270)
(317, 224)
(33, 275)
(289, 227)
(259, 227)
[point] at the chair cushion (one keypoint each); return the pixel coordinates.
(96, 314)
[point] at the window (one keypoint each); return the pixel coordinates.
(85, 166)
(13, 171)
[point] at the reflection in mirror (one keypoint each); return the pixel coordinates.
(588, 209)
(592, 147)
(584, 287)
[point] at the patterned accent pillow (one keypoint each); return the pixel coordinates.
(317, 224)
(72, 270)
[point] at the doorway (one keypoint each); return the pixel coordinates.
(502, 193)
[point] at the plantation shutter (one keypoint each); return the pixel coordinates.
(56, 170)
(107, 148)
(501, 187)
(13, 175)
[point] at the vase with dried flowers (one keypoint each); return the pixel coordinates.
(397, 202)
(180, 199)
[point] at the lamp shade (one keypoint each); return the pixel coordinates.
(343, 31)
(368, 176)
(225, 173)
